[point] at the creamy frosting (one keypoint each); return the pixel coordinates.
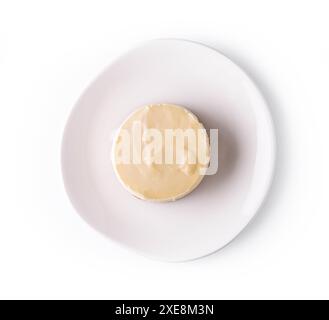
(164, 171)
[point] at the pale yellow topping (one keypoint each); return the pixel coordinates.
(160, 173)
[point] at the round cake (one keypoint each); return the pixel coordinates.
(161, 152)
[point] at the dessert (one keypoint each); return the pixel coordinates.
(161, 152)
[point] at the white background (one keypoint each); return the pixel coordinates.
(51, 50)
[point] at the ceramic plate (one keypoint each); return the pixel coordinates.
(222, 96)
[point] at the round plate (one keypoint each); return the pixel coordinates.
(222, 96)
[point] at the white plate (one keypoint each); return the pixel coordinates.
(223, 97)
